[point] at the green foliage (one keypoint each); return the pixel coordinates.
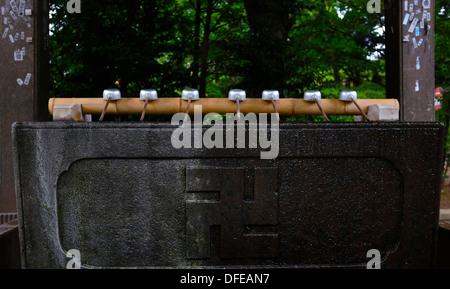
(287, 45)
(117, 41)
(442, 44)
(370, 90)
(218, 45)
(442, 63)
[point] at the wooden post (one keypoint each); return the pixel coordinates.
(23, 79)
(410, 57)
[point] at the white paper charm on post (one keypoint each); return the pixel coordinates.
(13, 5)
(22, 8)
(5, 33)
(413, 25)
(405, 21)
(27, 79)
(13, 15)
(18, 56)
(420, 42)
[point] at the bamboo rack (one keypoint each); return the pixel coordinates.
(170, 106)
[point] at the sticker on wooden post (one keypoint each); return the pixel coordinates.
(420, 42)
(413, 25)
(13, 5)
(13, 15)
(27, 79)
(5, 33)
(18, 56)
(405, 21)
(22, 8)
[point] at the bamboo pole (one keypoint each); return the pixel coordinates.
(170, 106)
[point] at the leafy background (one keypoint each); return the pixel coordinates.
(218, 45)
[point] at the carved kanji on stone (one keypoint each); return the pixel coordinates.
(232, 213)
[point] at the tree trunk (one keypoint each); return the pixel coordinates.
(270, 23)
(196, 51)
(205, 49)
